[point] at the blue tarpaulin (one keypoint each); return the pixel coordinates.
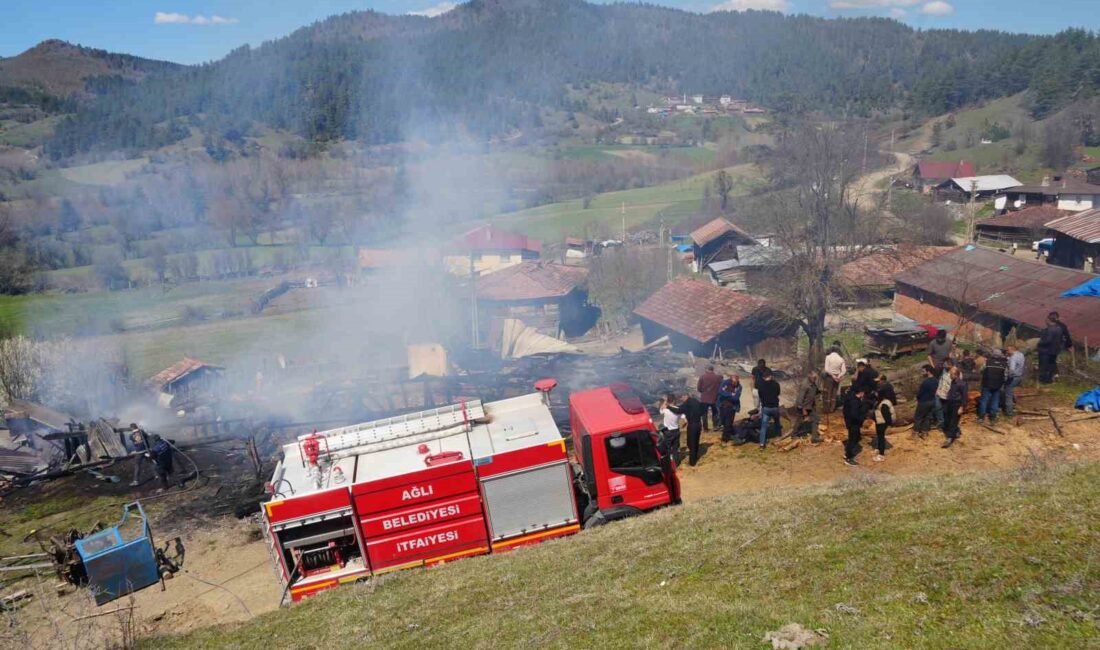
(1090, 288)
(1089, 400)
(684, 248)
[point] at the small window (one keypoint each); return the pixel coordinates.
(631, 451)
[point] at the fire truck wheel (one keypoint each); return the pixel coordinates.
(596, 519)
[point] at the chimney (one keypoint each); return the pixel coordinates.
(1046, 181)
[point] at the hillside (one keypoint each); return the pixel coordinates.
(62, 69)
(494, 66)
(981, 560)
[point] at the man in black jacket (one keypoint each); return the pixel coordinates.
(993, 380)
(854, 414)
(1051, 342)
(768, 389)
(693, 411)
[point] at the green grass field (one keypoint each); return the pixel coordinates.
(54, 314)
(997, 560)
(27, 136)
(640, 207)
(110, 172)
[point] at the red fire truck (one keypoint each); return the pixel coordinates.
(462, 480)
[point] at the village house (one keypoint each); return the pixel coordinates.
(486, 249)
(978, 187)
(985, 296)
(187, 381)
(715, 241)
(701, 318)
(1063, 193)
(869, 280)
(930, 173)
(1076, 241)
(750, 268)
(550, 297)
(1020, 227)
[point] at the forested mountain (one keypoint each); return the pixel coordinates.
(491, 65)
(55, 71)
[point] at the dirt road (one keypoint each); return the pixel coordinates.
(867, 188)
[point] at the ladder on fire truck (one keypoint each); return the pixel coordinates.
(399, 431)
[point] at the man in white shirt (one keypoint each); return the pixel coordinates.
(670, 428)
(835, 369)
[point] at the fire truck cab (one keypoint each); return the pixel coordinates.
(619, 471)
(467, 479)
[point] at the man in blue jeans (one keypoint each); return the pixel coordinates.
(769, 406)
(993, 381)
(1015, 375)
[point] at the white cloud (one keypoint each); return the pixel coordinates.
(168, 18)
(745, 5)
(437, 10)
(938, 8)
(871, 4)
(898, 13)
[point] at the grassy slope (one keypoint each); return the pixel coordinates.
(54, 314)
(956, 562)
(643, 206)
(110, 172)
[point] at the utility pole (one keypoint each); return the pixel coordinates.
(623, 212)
(970, 212)
(890, 185)
(863, 167)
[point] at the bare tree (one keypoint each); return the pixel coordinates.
(723, 186)
(816, 217)
(620, 279)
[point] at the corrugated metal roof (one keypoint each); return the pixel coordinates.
(20, 462)
(1084, 226)
(697, 309)
(985, 183)
(1014, 288)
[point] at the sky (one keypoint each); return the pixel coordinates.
(194, 31)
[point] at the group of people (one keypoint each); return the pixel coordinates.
(719, 400)
(941, 396)
(870, 396)
(944, 392)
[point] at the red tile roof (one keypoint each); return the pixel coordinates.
(179, 370)
(378, 258)
(1011, 287)
(490, 238)
(1084, 226)
(945, 168)
(698, 309)
(1033, 218)
(879, 268)
(531, 281)
(712, 230)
